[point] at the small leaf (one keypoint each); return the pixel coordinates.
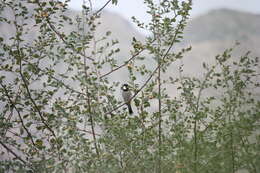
(204, 65)
(114, 2)
(21, 131)
(108, 33)
(137, 102)
(38, 20)
(146, 104)
(39, 143)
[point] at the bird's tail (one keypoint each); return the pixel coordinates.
(130, 108)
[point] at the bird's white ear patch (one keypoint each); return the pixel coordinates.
(125, 87)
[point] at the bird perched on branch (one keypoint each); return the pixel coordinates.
(127, 96)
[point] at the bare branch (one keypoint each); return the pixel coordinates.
(124, 64)
(98, 11)
(87, 131)
(117, 68)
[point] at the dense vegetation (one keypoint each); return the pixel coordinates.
(60, 111)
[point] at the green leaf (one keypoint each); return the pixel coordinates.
(39, 143)
(146, 104)
(38, 20)
(28, 124)
(108, 33)
(114, 2)
(137, 102)
(21, 130)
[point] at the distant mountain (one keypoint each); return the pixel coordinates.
(223, 24)
(210, 34)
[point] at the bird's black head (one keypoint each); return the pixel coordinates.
(125, 87)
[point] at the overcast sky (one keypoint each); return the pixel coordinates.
(129, 8)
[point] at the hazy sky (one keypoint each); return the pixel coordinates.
(129, 8)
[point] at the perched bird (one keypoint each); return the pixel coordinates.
(127, 96)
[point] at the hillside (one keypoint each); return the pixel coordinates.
(212, 33)
(209, 35)
(223, 24)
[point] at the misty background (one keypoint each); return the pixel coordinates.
(213, 27)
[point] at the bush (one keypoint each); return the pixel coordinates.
(60, 111)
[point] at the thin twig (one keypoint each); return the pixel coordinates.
(160, 115)
(63, 40)
(150, 77)
(87, 131)
(90, 110)
(13, 153)
(145, 83)
(18, 112)
(67, 86)
(92, 121)
(31, 99)
(58, 80)
(98, 11)
(124, 64)
(11, 111)
(52, 27)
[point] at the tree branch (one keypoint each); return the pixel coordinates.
(90, 111)
(18, 112)
(117, 68)
(87, 131)
(124, 64)
(58, 80)
(52, 27)
(14, 154)
(63, 40)
(31, 99)
(152, 74)
(98, 11)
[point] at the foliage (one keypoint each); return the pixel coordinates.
(60, 113)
